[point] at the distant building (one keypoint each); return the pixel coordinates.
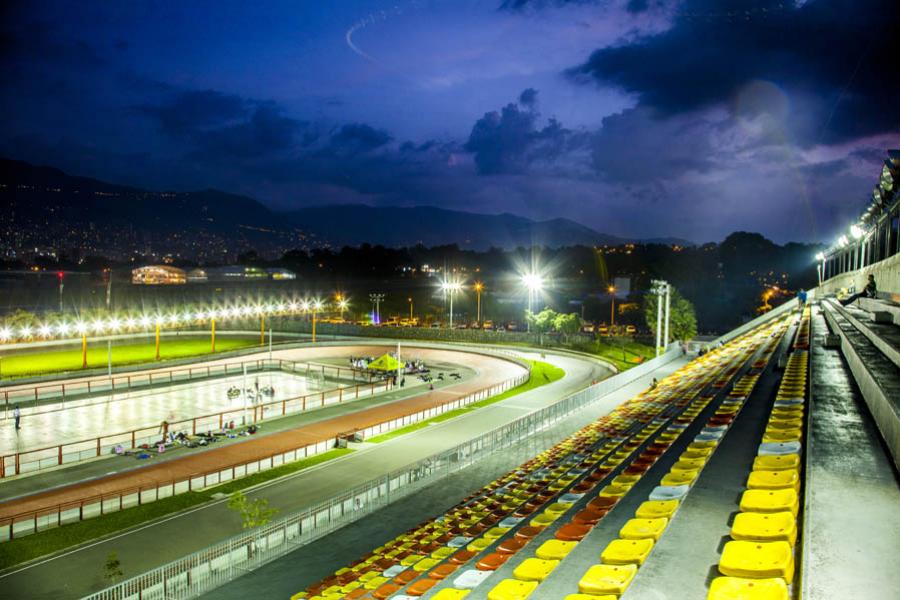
(281, 274)
(197, 276)
(158, 275)
(236, 273)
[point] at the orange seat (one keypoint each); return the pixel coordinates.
(405, 577)
(463, 556)
(512, 545)
(588, 516)
(602, 503)
(358, 593)
(443, 571)
(572, 532)
(528, 532)
(492, 561)
(421, 587)
(385, 590)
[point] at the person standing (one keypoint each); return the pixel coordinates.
(18, 416)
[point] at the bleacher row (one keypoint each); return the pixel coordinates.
(758, 564)
(542, 510)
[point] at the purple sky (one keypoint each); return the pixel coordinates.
(640, 118)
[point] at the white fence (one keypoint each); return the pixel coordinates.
(216, 565)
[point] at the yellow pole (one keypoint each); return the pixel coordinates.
(84, 351)
(314, 328)
(410, 310)
(157, 341)
(479, 305)
(213, 336)
(262, 330)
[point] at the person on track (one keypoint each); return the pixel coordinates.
(18, 416)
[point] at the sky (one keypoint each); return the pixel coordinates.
(639, 118)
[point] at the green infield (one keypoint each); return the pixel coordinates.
(59, 361)
(542, 373)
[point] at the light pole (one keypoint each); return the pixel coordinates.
(478, 287)
(534, 283)
(316, 306)
(59, 276)
(376, 300)
(661, 288)
(410, 309)
(108, 340)
(452, 287)
(612, 307)
(341, 303)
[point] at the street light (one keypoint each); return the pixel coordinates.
(534, 283)
(452, 287)
(410, 300)
(478, 288)
(612, 309)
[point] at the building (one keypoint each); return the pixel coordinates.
(236, 273)
(281, 274)
(197, 276)
(158, 275)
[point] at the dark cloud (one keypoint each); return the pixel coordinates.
(830, 54)
(191, 112)
(356, 138)
(511, 140)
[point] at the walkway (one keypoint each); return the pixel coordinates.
(79, 572)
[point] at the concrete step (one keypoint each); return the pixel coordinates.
(881, 309)
(877, 375)
(884, 335)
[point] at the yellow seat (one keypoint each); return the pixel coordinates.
(776, 462)
(477, 545)
(606, 579)
(673, 478)
(655, 509)
(765, 527)
(451, 594)
(784, 423)
(696, 453)
(626, 480)
(737, 588)
(782, 435)
(370, 575)
(757, 560)
(346, 589)
(626, 552)
(425, 564)
(534, 569)
(590, 597)
(774, 480)
(495, 532)
(373, 583)
(512, 589)
(769, 501)
(555, 549)
(557, 508)
(689, 464)
(639, 529)
(615, 491)
(544, 519)
(443, 552)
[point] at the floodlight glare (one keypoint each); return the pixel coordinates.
(46, 331)
(81, 327)
(26, 332)
(856, 231)
(533, 281)
(820, 256)
(5, 334)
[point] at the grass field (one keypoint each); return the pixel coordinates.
(542, 373)
(23, 549)
(58, 361)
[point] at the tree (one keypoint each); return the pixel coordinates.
(254, 513)
(682, 317)
(112, 569)
(541, 322)
(567, 324)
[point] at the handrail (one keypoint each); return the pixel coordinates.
(215, 565)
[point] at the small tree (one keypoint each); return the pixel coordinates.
(682, 316)
(112, 569)
(254, 513)
(567, 324)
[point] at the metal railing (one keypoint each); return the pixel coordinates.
(37, 520)
(207, 569)
(58, 396)
(48, 457)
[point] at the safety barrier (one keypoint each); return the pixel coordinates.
(34, 521)
(216, 565)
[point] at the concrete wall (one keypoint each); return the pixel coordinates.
(887, 276)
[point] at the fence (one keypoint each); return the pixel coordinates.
(59, 396)
(72, 452)
(34, 521)
(216, 565)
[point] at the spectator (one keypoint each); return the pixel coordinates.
(870, 291)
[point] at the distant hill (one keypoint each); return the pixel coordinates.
(350, 224)
(37, 197)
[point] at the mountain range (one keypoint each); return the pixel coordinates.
(34, 196)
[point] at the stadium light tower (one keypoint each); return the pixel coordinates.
(451, 287)
(534, 284)
(376, 300)
(661, 288)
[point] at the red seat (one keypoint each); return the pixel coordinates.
(511, 545)
(492, 561)
(461, 557)
(421, 587)
(589, 516)
(572, 532)
(602, 503)
(528, 532)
